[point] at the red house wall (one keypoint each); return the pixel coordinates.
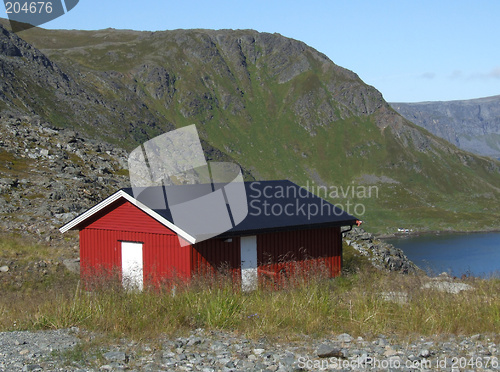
(277, 252)
(124, 216)
(100, 244)
(214, 254)
(312, 249)
(163, 257)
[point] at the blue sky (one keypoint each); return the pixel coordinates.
(411, 51)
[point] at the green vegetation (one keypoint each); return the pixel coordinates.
(355, 302)
(33, 269)
(351, 304)
(9, 163)
(280, 113)
(14, 247)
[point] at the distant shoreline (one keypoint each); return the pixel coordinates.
(433, 232)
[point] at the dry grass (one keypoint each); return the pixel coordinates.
(304, 304)
(351, 304)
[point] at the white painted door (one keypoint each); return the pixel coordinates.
(132, 265)
(249, 263)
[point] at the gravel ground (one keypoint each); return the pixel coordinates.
(61, 350)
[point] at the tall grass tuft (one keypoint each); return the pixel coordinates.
(365, 303)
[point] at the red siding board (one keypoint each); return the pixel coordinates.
(163, 257)
(276, 252)
(307, 249)
(99, 254)
(212, 255)
(124, 216)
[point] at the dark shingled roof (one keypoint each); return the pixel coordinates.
(274, 206)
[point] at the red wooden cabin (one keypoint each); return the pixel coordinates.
(123, 235)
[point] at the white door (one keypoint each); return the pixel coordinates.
(132, 267)
(249, 263)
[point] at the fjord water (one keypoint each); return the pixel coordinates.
(475, 254)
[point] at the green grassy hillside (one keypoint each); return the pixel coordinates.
(278, 107)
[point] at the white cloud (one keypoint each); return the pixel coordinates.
(428, 75)
(495, 73)
(456, 74)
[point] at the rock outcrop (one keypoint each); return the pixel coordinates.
(473, 125)
(382, 255)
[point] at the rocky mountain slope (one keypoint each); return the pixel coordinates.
(274, 105)
(472, 125)
(49, 175)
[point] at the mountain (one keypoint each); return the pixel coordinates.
(473, 125)
(274, 105)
